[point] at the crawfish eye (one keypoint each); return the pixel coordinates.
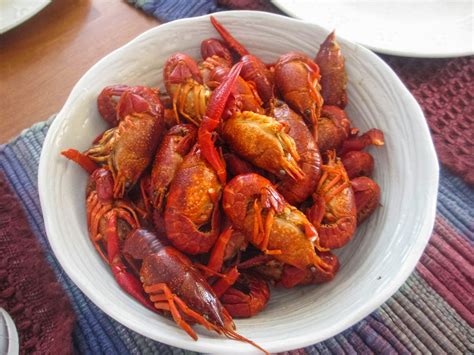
(307, 112)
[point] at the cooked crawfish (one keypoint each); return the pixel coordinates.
(297, 79)
(209, 67)
(373, 136)
(253, 69)
(128, 148)
(243, 94)
(174, 285)
(367, 196)
(215, 55)
(264, 142)
(247, 297)
(237, 242)
(288, 276)
(192, 208)
(184, 84)
(175, 145)
(213, 47)
(292, 276)
(334, 127)
(333, 72)
(334, 212)
(213, 118)
(108, 99)
(310, 159)
(254, 207)
(109, 221)
(358, 163)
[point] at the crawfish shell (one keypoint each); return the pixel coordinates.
(192, 213)
(254, 137)
(310, 159)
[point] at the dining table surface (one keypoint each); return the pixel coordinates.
(43, 58)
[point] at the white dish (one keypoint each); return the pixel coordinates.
(374, 265)
(15, 12)
(431, 29)
(9, 344)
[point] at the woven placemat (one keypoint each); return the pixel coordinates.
(432, 311)
(444, 88)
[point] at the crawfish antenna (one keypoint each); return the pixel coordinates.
(228, 38)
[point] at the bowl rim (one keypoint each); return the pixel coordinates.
(279, 345)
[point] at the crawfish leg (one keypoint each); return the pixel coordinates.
(266, 235)
(166, 302)
(83, 160)
(216, 260)
(170, 302)
(221, 286)
(217, 254)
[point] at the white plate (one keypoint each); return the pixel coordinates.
(15, 12)
(428, 28)
(374, 264)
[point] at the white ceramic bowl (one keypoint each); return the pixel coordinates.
(374, 265)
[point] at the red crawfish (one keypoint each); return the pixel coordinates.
(109, 221)
(297, 79)
(215, 55)
(108, 99)
(128, 148)
(334, 212)
(254, 207)
(367, 196)
(212, 119)
(192, 208)
(288, 276)
(184, 84)
(358, 163)
(174, 285)
(257, 138)
(213, 47)
(175, 145)
(247, 297)
(253, 69)
(264, 142)
(333, 73)
(310, 159)
(373, 136)
(334, 127)
(226, 247)
(243, 97)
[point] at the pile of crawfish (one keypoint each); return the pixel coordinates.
(243, 175)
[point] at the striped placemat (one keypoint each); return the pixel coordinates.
(432, 311)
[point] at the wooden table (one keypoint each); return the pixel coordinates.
(42, 59)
